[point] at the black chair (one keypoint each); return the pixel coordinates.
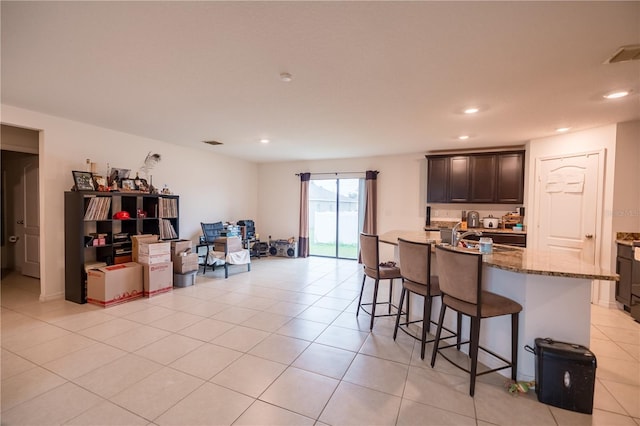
(226, 249)
(210, 233)
(460, 275)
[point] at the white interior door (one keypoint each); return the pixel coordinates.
(569, 195)
(31, 218)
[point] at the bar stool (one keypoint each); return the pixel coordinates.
(460, 276)
(415, 269)
(370, 256)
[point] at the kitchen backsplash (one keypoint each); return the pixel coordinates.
(626, 235)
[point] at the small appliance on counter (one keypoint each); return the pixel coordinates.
(473, 219)
(490, 222)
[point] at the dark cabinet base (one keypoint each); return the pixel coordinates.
(629, 270)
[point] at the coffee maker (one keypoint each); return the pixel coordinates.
(473, 219)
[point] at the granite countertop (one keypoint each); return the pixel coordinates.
(516, 259)
(540, 262)
(629, 243)
(628, 238)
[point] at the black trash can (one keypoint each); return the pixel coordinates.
(565, 375)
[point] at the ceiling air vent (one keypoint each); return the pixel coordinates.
(625, 53)
(213, 142)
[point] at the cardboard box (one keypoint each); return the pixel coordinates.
(179, 246)
(231, 244)
(111, 285)
(186, 263)
(153, 259)
(154, 248)
(93, 265)
(136, 240)
(157, 279)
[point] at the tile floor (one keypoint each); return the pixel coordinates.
(277, 345)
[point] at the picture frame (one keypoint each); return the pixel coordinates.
(83, 180)
(99, 182)
(141, 185)
(127, 185)
(117, 175)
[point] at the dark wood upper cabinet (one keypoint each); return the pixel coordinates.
(510, 178)
(491, 177)
(438, 180)
(483, 178)
(459, 179)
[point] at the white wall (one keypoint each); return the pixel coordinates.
(211, 187)
(579, 142)
(401, 192)
(626, 200)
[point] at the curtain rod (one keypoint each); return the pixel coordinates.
(334, 173)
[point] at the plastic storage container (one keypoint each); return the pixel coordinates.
(184, 280)
(565, 375)
(486, 245)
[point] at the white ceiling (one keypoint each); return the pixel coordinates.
(369, 78)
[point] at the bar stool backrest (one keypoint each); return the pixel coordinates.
(415, 261)
(370, 255)
(460, 274)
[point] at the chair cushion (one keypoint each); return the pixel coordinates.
(493, 305)
(386, 272)
(421, 289)
(215, 257)
(241, 257)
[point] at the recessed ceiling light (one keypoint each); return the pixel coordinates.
(563, 129)
(617, 95)
(471, 110)
(264, 140)
(286, 77)
(463, 137)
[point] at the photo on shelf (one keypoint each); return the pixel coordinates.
(117, 175)
(127, 185)
(83, 180)
(100, 183)
(141, 185)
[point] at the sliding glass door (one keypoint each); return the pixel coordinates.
(335, 217)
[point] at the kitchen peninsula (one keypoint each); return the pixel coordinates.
(554, 290)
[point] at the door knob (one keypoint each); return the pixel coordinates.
(589, 236)
(20, 222)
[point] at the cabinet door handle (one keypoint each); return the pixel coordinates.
(589, 236)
